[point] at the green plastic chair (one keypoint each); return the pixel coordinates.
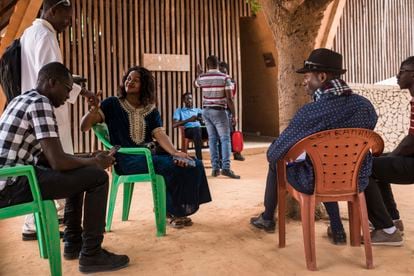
(157, 181)
(47, 226)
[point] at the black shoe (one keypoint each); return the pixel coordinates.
(215, 172)
(71, 250)
(238, 156)
(261, 223)
(229, 173)
(33, 236)
(336, 238)
(103, 261)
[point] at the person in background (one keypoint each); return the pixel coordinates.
(39, 46)
(224, 68)
(216, 90)
(190, 117)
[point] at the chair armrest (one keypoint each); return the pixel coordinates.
(24, 170)
(140, 151)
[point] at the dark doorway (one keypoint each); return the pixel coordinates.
(259, 77)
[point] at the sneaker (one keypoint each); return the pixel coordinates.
(379, 237)
(215, 172)
(71, 250)
(261, 223)
(238, 156)
(103, 261)
(229, 173)
(337, 238)
(399, 225)
(32, 236)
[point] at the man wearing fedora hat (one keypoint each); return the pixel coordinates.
(334, 106)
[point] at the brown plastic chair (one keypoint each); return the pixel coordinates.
(336, 156)
(186, 141)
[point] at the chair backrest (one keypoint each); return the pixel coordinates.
(337, 156)
(101, 131)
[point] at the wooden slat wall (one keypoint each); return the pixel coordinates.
(374, 37)
(109, 36)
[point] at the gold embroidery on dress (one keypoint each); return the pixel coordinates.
(137, 125)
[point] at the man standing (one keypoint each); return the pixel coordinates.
(30, 137)
(217, 89)
(224, 68)
(189, 116)
(396, 167)
(39, 46)
(334, 106)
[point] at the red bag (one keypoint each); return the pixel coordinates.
(237, 141)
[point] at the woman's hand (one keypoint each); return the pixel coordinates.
(94, 101)
(181, 155)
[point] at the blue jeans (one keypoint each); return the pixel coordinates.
(218, 128)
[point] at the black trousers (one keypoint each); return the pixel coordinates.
(381, 205)
(197, 134)
(85, 187)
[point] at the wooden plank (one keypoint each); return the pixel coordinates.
(24, 13)
(163, 62)
(329, 25)
(118, 34)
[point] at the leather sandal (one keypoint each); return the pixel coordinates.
(176, 223)
(187, 221)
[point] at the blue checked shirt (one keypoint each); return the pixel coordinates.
(330, 110)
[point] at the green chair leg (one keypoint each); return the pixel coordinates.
(158, 192)
(112, 199)
(40, 236)
(51, 230)
(128, 191)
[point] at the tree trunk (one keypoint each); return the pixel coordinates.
(295, 25)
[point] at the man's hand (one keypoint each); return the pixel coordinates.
(104, 160)
(93, 100)
(192, 118)
(234, 121)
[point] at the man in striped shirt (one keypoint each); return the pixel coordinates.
(396, 167)
(217, 96)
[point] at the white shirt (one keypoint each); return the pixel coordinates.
(39, 46)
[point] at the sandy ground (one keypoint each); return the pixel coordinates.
(220, 242)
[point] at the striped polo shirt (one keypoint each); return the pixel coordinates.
(214, 85)
(411, 130)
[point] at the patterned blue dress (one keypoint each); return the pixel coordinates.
(128, 126)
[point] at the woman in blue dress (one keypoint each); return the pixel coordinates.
(132, 121)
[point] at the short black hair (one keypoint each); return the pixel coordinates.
(408, 61)
(54, 70)
(212, 61)
(185, 94)
(147, 93)
(47, 4)
(224, 64)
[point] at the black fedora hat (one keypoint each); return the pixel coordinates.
(323, 60)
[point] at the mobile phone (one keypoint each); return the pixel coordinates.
(114, 150)
(188, 161)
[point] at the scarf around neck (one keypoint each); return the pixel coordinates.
(336, 87)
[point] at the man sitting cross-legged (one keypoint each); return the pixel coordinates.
(30, 137)
(396, 167)
(334, 106)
